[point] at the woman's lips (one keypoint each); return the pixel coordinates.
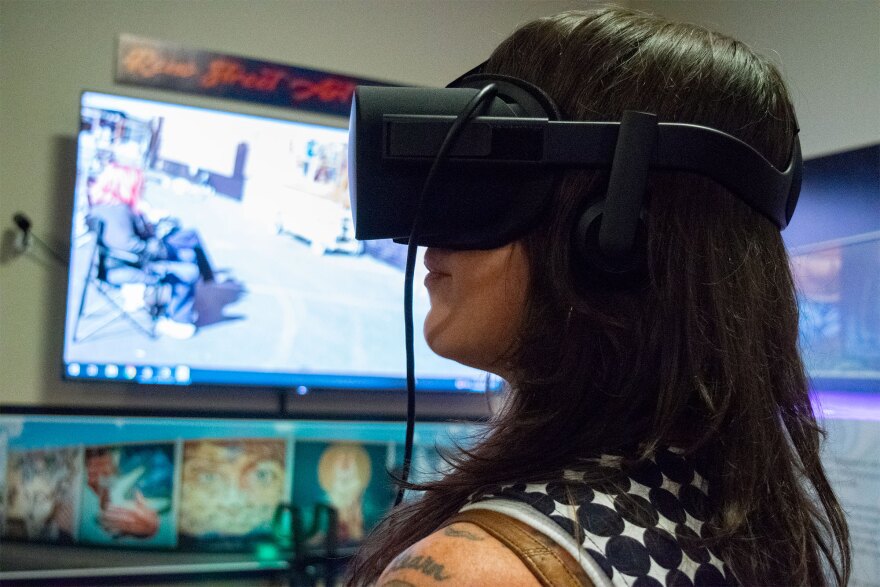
(434, 277)
(437, 260)
(434, 261)
(436, 264)
(435, 267)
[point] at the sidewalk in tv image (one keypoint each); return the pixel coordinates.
(278, 303)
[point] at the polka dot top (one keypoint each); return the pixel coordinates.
(638, 529)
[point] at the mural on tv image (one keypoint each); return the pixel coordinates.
(230, 490)
(351, 477)
(128, 497)
(41, 494)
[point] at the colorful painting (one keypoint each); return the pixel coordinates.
(41, 498)
(128, 495)
(230, 490)
(348, 476)
(212, 484)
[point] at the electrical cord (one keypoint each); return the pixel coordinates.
(24, 225)
(487, 93)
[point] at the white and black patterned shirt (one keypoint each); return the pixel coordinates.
(641, 528)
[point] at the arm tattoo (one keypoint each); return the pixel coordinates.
(423, 564)
(397, 583)
(453, 533)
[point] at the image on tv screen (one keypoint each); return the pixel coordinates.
(350, 477)
(230, 489)
(838, 286)
(128, 495)
(217, 248)
(42, 494)
(834, 245)
(205, 484)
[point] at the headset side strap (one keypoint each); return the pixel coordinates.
(636, 143)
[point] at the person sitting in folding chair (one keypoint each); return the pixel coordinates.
(122, 182)
(123, 230)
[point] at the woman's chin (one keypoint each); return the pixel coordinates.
(439, 344)
(463, 353)
(461, 340)
(436, 331)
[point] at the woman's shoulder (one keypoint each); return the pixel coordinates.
(460, 554)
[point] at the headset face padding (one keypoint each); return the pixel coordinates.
(469, 205)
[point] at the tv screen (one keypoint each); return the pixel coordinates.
(211, 247)
(834, 241)
(195, 482)
(838, 285)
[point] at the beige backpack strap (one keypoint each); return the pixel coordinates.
(552, 565)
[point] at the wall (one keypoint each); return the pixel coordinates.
(50, 51)
(829, 54)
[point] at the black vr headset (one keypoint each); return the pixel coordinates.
(498, 173)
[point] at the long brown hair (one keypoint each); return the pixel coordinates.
(702, 356)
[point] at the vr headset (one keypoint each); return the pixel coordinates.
(499, 174)
(474, 166)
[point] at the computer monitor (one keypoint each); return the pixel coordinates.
(197, 482)
(838, 285)
(211, 247)
(834, 241)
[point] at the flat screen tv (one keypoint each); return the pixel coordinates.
(839, 304)
(834, 241)
(210, 247)
(195, 482)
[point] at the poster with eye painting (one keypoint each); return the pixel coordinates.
(128, 495)
(42, 491)
(351, 477)
(230, 490)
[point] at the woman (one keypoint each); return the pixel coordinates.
(665, 428)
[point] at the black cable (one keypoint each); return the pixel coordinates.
(57, 256)
(24, 225)
(487, 93)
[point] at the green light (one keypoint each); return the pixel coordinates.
(266, 551)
